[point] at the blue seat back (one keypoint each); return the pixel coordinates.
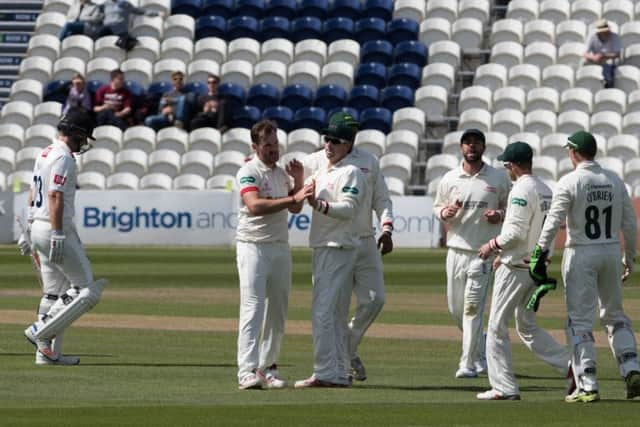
(402, 29)
(405, 74)
(57, 90)
(210, 26)
(314, 8)
(337, 28)
(306, 27)
(284, 8)
(310, 117)
(371, 73)
(296, 96)
(246, 116)
(382, 9)
(283, 116)
(345, 8)
(411, 51)
(274, 27)
(363, 97)
(330, 97)
(263, 96)
(395, 97)
(376, 118)
(368, 29)
(253, 8)
(377, 51)
(192, 8)
(242, 26)
(198, 88)
(233, 93)
(222, 8)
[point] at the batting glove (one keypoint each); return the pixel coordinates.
(24, 245)
(541, 291)
(56, 252)
(538, 265)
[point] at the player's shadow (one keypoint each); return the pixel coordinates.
(16, 354)
(537, 377)
(421, 387)
(162, 365)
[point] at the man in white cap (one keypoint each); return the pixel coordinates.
(604, 48)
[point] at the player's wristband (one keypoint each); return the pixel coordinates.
(493, 244)
(322, 206)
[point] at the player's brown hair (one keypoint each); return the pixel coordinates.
(262, 129)
(116, 73)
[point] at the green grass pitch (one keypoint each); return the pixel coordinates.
(135, 376)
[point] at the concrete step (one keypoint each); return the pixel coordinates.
(13, 48)
(7, 81)
(9, 70)
(21, 5)
(22, 27)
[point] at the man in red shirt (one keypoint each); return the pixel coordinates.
(113, 102)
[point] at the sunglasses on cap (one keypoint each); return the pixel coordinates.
(333, 140)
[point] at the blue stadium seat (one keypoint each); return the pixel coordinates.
(336, 29)
(368, 29)
(377, 51)
(405, 74)
(306, 27)
(210, 26)
(135, 88)
(382, 9)
(233, 93)
(296, 97)
(314, 8)
(396, 97)
(157, 89)
(354, 113)
(242, 26)
(410, 51)
(363, 97)
(192, 8)
(198, 88)
(376, 118)
(283, 116)
(263, 96)
(329, 97)
(371, 73)
(253, 8)
(94, 85)
(310, 117)
(399, 30)
(345, 8)
(284, 8)
(245, 117)
(275, 27)
(222, 8)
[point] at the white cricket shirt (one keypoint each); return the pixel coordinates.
(55, 170)
(488, 189)
(270, 183)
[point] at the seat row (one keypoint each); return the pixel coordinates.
(545, 122)
(618, 11)
(546, 98)
(559, 76)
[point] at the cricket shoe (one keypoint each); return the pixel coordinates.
(466, 373)
(312, 381)
(43, 346)
(480, 365)
(250, 381)
(496, 395)
(271, 378)
(583, 396)
(358, 372)
(571, 381)
(632, 380)
(63, 360)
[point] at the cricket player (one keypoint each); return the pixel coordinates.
(69, 288)
(528, 203)
(339, 191)
(597, 208)
(368, 278)
(263, 256)
(470, 200)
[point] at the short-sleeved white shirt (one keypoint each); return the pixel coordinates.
(270, 183)
(55, 170)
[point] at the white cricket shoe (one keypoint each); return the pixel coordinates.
(496, 395)
(466, 373)
(480, 365)
(312, 381)
(43, 346)
(271, 378)
(63, 360)
(250, 381)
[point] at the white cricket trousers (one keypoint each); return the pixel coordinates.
(592, 280)
(332, 281)
(265, 282)
(76, 269)
(512, 289)
(468, 279)
(368, 287)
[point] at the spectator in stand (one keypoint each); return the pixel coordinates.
(113, 102)
(84, 17)
(212, 111)
(79, 96)
(117, 19)
(173, 106)
(604, 48)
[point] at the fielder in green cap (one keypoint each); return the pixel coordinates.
(597, 209)
(528, 203)
(367, 280)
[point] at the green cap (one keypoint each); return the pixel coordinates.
(342, 125)
(517, 152)
(583, 142)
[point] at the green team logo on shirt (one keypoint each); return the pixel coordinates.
(352, 190)
(247, 180)
(518, 201)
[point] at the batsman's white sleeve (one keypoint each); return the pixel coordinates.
(560, 204)
(629, 229)
(382, 204)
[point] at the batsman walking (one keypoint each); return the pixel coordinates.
(597, 208)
